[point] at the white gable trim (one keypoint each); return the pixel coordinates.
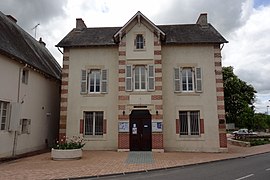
(139, 16)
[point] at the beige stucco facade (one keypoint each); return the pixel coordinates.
(122, 105)
(205, 102)
(96, 58)
(37, 101)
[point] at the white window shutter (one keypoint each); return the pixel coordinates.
(28, 126)
(83, 81)
(104, 81)
(151, 77)
(198, 77)
(20, 126)
(128, 78)
(177, 80)
(15, 113)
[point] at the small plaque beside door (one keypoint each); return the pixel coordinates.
(156, 126)
(123, 126)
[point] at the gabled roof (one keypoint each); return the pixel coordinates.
(138, 18)
(22, 47)
(170, 34)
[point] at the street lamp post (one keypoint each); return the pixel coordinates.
(267, 109)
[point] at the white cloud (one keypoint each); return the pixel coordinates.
(249, 53)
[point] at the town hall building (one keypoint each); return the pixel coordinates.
(144, 87)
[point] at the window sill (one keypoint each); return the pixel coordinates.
(140, 92)
(94, 138)
(188, 93)
(190, 138)
(93, 95)
(138, 50)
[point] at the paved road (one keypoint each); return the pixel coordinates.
(250, 168)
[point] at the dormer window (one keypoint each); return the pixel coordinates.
(139, 41)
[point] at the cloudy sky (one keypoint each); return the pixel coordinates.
(244, 23)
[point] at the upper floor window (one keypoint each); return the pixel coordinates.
(25, 126)
(94, 81)
(4, 107)
(25, 74)
(140, 78)
(139, 41)
(188, 79)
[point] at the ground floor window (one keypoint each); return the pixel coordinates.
(189, 122)
(4, 114)
(25, 126)
(93, 123)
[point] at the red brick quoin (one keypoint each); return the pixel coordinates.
(123, 140)
(157, 141)
(222, 140)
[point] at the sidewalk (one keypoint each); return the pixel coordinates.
(96, 163)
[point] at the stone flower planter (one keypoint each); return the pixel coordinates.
(66, 154)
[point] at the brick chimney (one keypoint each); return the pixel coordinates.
(41, 42)
(80, 24)
(202, 20)
(13, 19)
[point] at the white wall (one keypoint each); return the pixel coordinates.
(37, 99)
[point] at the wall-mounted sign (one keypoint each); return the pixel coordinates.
(123, 126)
(156, 126)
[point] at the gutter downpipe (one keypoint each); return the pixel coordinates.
(222, 45)
(60, 50)
(18, 101)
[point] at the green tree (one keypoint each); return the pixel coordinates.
(239, 99)
(261, 121)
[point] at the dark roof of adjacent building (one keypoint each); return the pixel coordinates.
(19, 45)
(174, 34)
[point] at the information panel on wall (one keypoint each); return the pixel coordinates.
(156, 126)
(123, 126)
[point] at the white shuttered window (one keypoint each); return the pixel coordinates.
(188, 79)
(140, 77)
(94, 81)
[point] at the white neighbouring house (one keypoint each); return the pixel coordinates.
(144, 86)
(30, 80)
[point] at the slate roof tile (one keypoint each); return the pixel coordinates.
(175, 34)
